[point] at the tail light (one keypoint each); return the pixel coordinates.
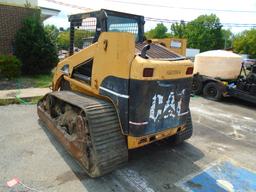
(189, 71)
(148, 72)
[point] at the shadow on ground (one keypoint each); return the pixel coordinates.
(231, 101)
(156, 167)
(239, 102)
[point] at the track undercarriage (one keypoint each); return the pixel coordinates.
(88, 128)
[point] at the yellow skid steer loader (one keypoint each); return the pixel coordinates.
(117, 93)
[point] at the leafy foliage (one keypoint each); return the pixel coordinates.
(80, 35)
(53, 32)
(245, 43)
(205, 33)
(160, 31)
(63, 40)
(178, 29)
(227, 37)
(35, 47)
(10, 66)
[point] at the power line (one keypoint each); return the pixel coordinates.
(182, 21)
(159, 20)
(70, 5)
(186, 8)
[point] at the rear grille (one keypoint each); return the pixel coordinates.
(157, 51)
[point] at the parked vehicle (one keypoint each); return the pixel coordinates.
(221, 73)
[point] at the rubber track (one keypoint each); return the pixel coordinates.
(109, 144)
(187, 133)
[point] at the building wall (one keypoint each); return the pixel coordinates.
(33, 3)
(11, 20)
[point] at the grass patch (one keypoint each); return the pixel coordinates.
(7, 102)
(40, 81)
(43, 80)
(27, 101)
(34, 100)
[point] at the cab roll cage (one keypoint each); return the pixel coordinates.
(101, 24)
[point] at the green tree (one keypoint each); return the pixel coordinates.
(245, 43)
(227, 37)
(178, 29)
(52, 31)
(10, 66)
(34, 47)
(205, 33)
(160, 31)
(61, 29)
(80, 35)
(63, 40)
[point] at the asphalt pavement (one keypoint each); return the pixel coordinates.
(221, 151)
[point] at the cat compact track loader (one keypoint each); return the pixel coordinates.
(117, 93)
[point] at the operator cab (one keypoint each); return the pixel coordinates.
(91, 24)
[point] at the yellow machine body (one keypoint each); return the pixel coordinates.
(115, 55)
(118, 92)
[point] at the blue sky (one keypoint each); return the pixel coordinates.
(237, 11)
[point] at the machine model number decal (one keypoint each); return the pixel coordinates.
(173, 72)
